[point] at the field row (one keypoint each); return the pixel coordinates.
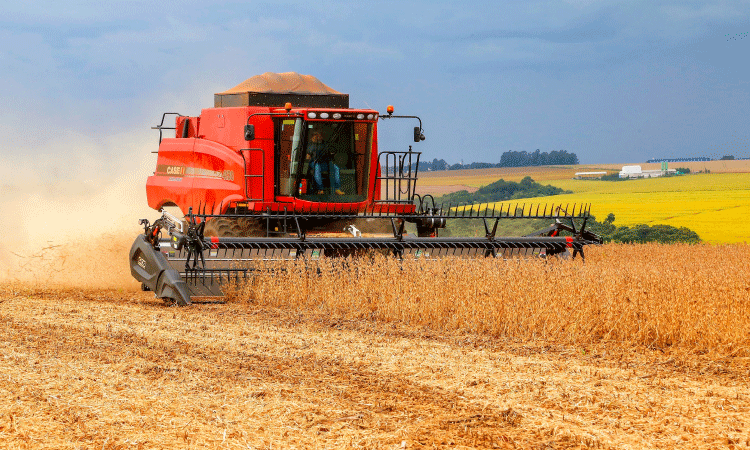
(643, 346)
(481, 177)
(107, 370)
(694, 298)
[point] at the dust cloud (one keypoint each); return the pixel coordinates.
(71, 214)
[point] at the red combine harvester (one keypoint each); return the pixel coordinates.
(282, 168)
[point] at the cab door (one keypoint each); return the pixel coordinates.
(287, 153)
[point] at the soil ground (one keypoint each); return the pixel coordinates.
(119, 369)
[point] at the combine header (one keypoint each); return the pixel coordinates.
(282, 168)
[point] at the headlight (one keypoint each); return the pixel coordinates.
(360, 116)
(312, 115)
(336, 115)
(323, 115)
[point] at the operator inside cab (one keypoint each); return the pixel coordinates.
(321, 153)
(323, 161)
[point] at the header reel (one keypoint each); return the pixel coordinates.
(187, 263)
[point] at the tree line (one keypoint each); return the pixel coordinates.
(641, 233)
(502, 190)
(509, 159)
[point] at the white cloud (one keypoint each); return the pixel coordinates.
(705, 11)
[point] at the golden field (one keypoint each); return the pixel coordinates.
(643, 346)
(714, 205)
(481, 177)
(695, 298)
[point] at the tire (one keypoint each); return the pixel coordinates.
(225, 227)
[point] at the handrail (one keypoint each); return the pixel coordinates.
(394, 176)
(161, 126)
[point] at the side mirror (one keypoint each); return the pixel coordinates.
(249, 132)
(418, 136)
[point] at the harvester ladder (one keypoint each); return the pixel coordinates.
(251, 176)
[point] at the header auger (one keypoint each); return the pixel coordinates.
(281, 168)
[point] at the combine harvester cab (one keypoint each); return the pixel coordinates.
(282, 168)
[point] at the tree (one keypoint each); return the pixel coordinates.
(502, 190)
(439, 164)
(535, 158)
(665, 234)
(641, 233)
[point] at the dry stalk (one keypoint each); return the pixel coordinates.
(657, 296)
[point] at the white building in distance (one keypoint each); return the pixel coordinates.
(588, 175)
(637, 172)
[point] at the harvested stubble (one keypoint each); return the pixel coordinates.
(280, 367)
(100, 369)
(692, 298)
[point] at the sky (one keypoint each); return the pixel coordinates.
(613, 82)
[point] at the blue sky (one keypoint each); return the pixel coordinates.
(611, 81)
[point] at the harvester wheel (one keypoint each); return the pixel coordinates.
(225, 227)
(218, 227)
(251, 227)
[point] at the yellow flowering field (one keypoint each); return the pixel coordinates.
(716, 206)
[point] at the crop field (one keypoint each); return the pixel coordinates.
(713, 205)
(480, 177)
(644, 346)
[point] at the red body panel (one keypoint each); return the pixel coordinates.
(214, 167)
(169, 185)
(218, 176)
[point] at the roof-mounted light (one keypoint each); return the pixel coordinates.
(360, 116)
(311, 115)
(369, 117)
(324, 115)
(389, 109)
(336, 116)
(288, 107)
